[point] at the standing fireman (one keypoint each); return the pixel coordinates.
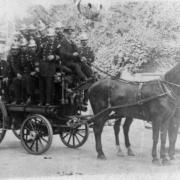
(24, 69)
(15, 71)
(4, 70)
(48, 66)
(32, 71)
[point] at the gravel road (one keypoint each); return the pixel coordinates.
(63, 162)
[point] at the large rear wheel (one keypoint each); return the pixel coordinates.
(36, 134)
(2, 134)
(17, 133)
(2, 130)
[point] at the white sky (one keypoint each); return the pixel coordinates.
(18, 8)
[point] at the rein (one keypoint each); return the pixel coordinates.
(174, 84)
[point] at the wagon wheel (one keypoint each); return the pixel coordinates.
(2, 134)
(17, 133)
(36, 134)
(2, 130)
(3, 116)
(75, 134)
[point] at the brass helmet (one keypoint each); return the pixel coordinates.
(84, 36)
(32, 43)
(59, 25)
(23, 27)
(23, 42)
(41, 26)
(50, 32)
(2, 40)
(31, 27)
(15, 45)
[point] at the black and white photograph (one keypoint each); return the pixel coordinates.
(90, 89)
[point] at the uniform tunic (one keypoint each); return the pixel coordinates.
(48, 69)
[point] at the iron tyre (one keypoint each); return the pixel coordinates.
(2, 134)
(76, 136)
(17, 133)
(36, 134)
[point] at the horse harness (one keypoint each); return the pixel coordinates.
(165, 89)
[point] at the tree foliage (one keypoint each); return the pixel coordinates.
(130, 35)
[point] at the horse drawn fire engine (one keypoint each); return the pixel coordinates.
(35, 125)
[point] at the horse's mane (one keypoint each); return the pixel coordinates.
(136, 82)
(173, 75)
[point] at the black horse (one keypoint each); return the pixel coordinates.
(155, 100)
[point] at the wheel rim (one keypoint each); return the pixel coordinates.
(2, 131)
(36, 134)
(2, 134)
(75, 136)
(17, 133)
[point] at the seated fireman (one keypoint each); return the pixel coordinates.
(69, 54)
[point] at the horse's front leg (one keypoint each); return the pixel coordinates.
(155, 127)
(164, 128)
(172, 133)
(98, 127)
(116, 133)
(126, 127)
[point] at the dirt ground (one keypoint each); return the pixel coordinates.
(81, 163)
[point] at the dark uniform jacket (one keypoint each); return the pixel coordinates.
(23, 62)
(15, 64)
(48, 68)
(67, 49)
(40, 40)
(87, 52)
(4, 68)
(32, 62)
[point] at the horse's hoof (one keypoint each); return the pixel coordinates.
(165, 162)
(101, 157)
(120, 153)
(156, 162)
(130, 152)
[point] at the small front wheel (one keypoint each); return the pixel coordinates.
(36, 134)
(75, 134)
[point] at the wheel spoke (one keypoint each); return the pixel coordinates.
(65, 135)
(37, 145)
(26, 135)
(44, 140)
(77, 138)
(69, 138)
(32, 144)
(80, 134)
(31, 125)
(39, 123)
(41, 143)
(27, 127)
(73, 140)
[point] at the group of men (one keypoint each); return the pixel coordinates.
(37, 55)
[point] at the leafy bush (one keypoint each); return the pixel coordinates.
(129, 35)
